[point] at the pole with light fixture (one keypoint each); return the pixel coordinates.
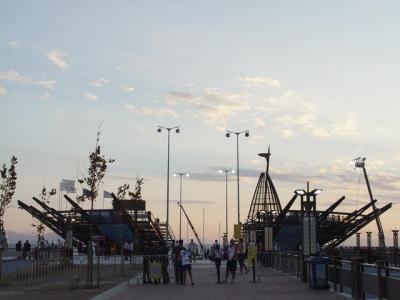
(180, 200)
(168, 129)
(308, 216)
(246, 134)
(226, 171)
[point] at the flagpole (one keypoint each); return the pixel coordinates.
(103, 199)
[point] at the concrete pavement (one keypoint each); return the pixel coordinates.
(273, 285)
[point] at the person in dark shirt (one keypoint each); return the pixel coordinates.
(147, 252)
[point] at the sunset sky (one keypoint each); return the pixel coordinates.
(316, 80)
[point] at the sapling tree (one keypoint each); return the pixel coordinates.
(8, 184)
(98, 165)
(45, 198)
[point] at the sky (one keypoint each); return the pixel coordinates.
(315, 80)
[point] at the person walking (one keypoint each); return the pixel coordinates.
(186, 265)
(147, 252)
(18, 249)
(192, 250)
(231, 263)
(177, 262)
(217, 255)
(242, 250)
(26, 250)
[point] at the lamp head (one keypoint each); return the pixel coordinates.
(174, 174)
(187, 174)
(158, 130)
(220, 171)
(227, 134)
(177, 130)
(316, 191)
(233, 171)
(300, 192)
(247, 134)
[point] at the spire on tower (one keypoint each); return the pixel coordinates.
(266, 156)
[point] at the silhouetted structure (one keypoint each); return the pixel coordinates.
(266, 218)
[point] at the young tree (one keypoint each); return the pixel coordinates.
(96, 172)
(40, 228)
(8, 184)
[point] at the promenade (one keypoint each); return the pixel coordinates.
(273, 285)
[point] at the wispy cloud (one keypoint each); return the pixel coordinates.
(261, 81)
(58, 58)
(287, 133)
(13, 76)
(99, 82)
(127, 88)
(46, 83)
(3, 91)
(13, 44)
(90, 96)
(150, 111)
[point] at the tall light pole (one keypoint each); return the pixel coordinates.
(180, 200)
(246, 134)
(226, 196)
(168, 129)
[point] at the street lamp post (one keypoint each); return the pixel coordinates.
(180, 200)
(226, 196)
(168, 129)
(246, 134)
(308, 214)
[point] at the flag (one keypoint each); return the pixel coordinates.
(67, 185)
(87, 193)
(107, 194)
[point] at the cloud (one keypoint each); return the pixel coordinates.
(14, 76)
(259, 123)
(90, 97)
(99, 82)
(13, 44)
(287, 133)
(3, 91)
(173, 98)
(216, 107)
(46, 83)
(127, 88)
(345, 127)
(58, 58)
(149, 111)
(261, 81)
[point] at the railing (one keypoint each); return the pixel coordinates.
(72, 272)
(360, 280)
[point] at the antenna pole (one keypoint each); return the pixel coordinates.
(378, 220)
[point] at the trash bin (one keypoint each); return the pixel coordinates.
(318, 272)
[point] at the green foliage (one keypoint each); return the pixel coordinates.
(8, 185)
(96, 172)
(45, 198)
(123, 190)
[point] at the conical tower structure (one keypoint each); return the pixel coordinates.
(265, 198)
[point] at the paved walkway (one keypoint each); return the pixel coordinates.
(273, 285)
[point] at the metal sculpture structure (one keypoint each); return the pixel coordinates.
(128, 220)
(332, 227)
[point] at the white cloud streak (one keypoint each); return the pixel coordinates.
(261, 81)
(150, 111)
(58, 59)
(3, 91)
(127, 88)
(90, 96)
(99, 82)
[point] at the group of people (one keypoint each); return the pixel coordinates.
(232, 253)
(182, 261)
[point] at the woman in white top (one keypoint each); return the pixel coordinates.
(217, 254)
(186, 266)
(231, 263)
